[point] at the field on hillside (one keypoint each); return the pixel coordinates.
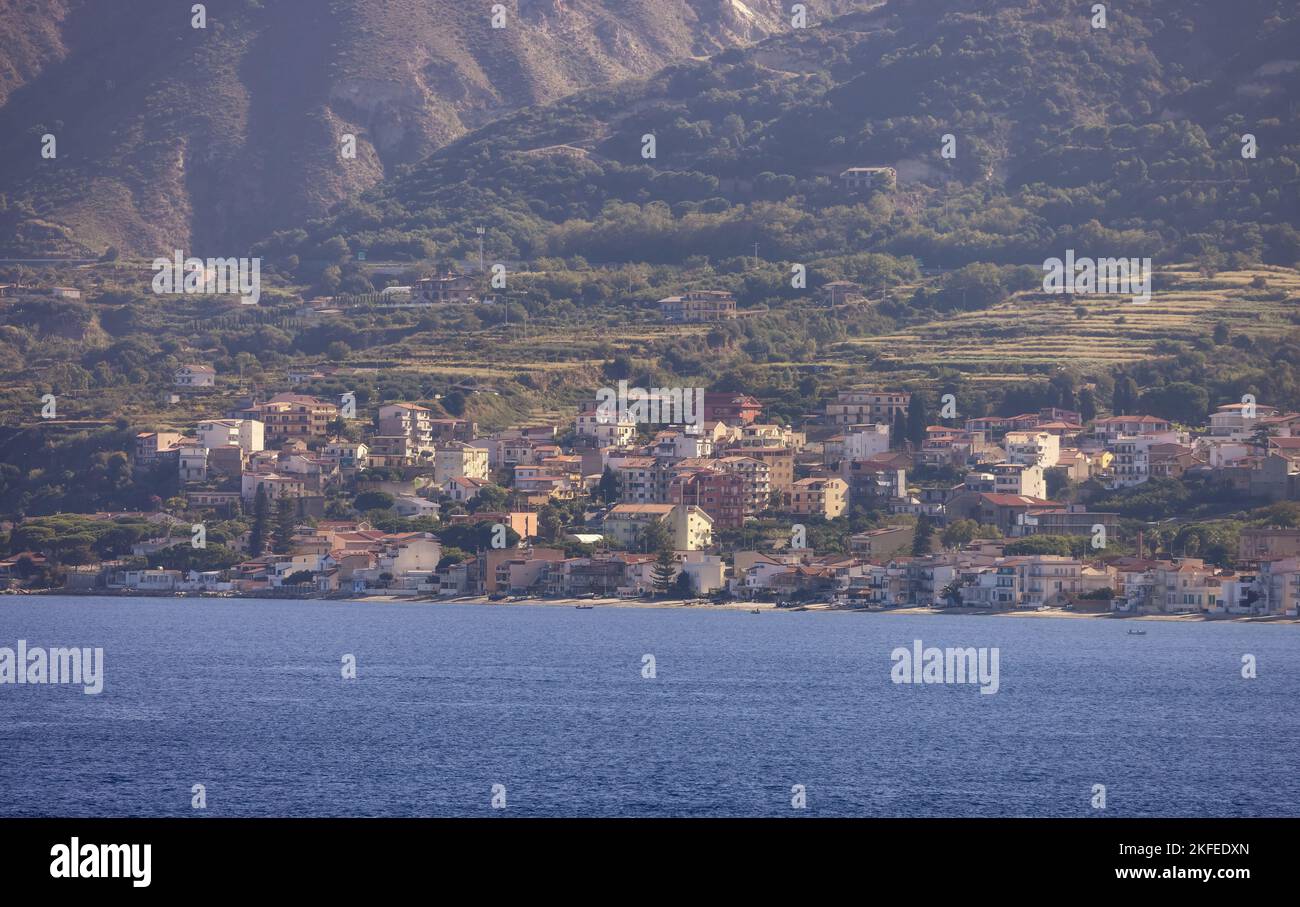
(1034, 329)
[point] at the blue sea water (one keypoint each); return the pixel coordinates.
(247, 698)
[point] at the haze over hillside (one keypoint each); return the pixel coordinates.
(207, 138)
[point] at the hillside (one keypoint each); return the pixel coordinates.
(171, 136)
(1123, 140)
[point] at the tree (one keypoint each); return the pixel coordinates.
(550, 522)
(683, 587)
(665, 571)
(923, 537)
(285, 522)
(917, 420)
(959, 533)
(1087, 405)
(338, 351)
(261, 513)
(300, 578)
(1125, 398)
(609, 489)
(454, 403)
(656, 537)
(898, 433)
(373, 500)
(490, 498)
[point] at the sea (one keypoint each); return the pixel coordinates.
(235, 707)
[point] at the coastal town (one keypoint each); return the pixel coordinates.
(291, 494)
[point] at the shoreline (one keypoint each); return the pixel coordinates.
(700, 604)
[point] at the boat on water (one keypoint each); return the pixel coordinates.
(754, 611)
(584, 607)
(1136, 632)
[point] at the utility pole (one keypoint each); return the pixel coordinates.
(480, 231)
(755, 256)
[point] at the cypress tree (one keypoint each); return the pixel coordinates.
(261, 511)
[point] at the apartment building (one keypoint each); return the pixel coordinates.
(862, 407)
(819, 496)
(409, 420)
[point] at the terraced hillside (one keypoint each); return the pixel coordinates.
(1034, 329)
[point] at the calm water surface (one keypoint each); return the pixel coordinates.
(247, 698)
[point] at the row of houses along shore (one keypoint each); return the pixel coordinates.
(693, 485)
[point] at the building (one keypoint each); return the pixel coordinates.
(291, 416)
(641, 480)
(780, 463)
(347, 455)
(192, 463)
(246, 434)
(1268, 543)
(195, 375)
(819, 496)
(1132, 463)
(607, 429)
(842, 292)
(1073, 519)
(274, 484)
(883, 543)
(1238, 419)
(410, 420)
(722, 495)
(698, 306)
(456, 459)
(865, 442)
(157, 448)
(444, 288)
(1019, 479)
(733, 409)
(1005, 511)
(858, 178)
(690, 527)
(1033, 448)
(1112, 428)
(862, 407)
(756, 476)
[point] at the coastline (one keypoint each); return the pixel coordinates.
(697, 604)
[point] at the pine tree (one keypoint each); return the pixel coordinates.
(285, 521)
(261, 512)
(664, 572)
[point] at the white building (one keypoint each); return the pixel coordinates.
(195, 375)
(865, 442)
(246, 434)
(1033, 448)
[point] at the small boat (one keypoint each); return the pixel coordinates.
(584, 607)
(1136, 632)
(755, 611)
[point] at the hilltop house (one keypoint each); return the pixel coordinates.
(195, 375)
(698, 305)
(856, 178)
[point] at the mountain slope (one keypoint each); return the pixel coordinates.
(1124, 140)
(171, 136)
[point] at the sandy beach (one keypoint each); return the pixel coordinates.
(762, 607)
